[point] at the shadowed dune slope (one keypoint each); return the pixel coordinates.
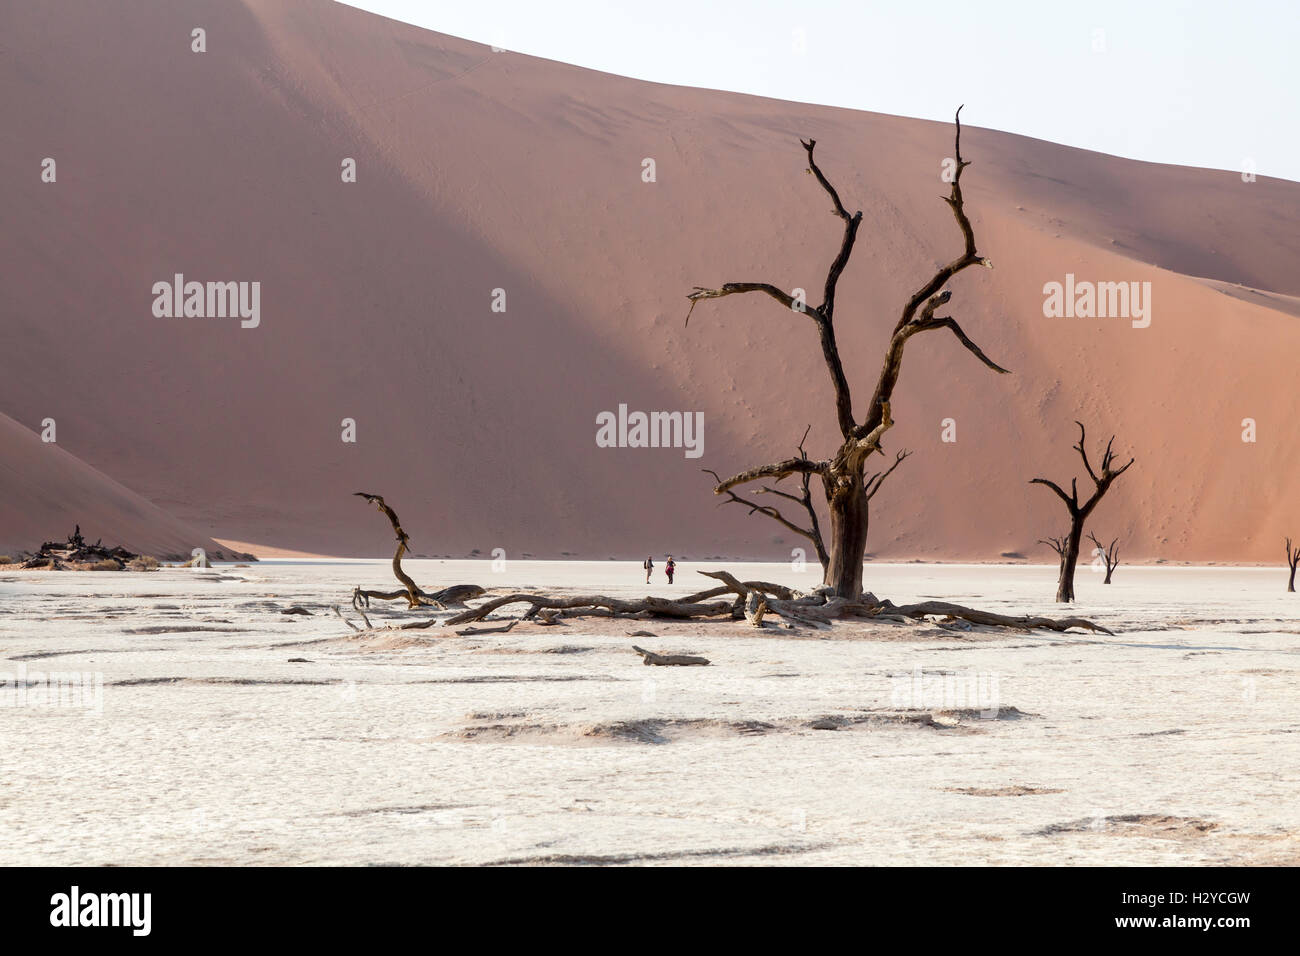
(48, 492)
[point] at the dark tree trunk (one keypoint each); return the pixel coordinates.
(849, 523)
(1109, 572)
(1291, 584)
(1069, 561)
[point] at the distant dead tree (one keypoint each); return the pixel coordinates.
(804, 499)
(1109, 555)
(1292, 558)
(410, 591)
(843, 475)
(1067, 547)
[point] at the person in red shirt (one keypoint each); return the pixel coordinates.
(669, 568)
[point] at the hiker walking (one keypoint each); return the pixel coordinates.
(669, 568)
(649, 566)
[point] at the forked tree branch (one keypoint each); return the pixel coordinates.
(823, 315)
(805, 500)
(1056, 544)
(1108, 553)
(1101, 482)
(969, 255)
(851, 223)
(770, 511)
(929, 297)
(875, 481)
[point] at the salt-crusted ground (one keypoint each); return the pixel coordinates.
(227, 732)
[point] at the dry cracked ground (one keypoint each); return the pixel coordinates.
(228, 732)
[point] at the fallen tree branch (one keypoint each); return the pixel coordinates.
(344, 619)
(776, 590)
(647, 607)
(754, 599)
(1027, 622)
(488, 630)
(669, 660)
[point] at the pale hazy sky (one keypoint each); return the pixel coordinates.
(1173, 81)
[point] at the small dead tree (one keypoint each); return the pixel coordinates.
(411, 592)
(1292, 558)
(843, 475)
(1067, 547)
(1109, 555)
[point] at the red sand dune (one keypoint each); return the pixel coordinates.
(48, 492)
(479, 171)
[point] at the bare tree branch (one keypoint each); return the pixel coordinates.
(780, 469)
(733, 288)
(878, 479)
(851, 223)
(1056, 544)
(947, 322)
(930, 296)
(822, 316)
(769, 510)
(969, 256)
(1071, 501)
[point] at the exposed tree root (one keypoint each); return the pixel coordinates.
(1028, 622)
(755, 599)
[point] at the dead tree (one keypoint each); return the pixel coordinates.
(1292, 558)
(411, 592)
(1067, 547)
(843, 475)
(60, 556)
(1109, 555)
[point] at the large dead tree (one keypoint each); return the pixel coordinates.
(1109, 555)
(1292, 558)
(843, 475)
(1067, 547)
